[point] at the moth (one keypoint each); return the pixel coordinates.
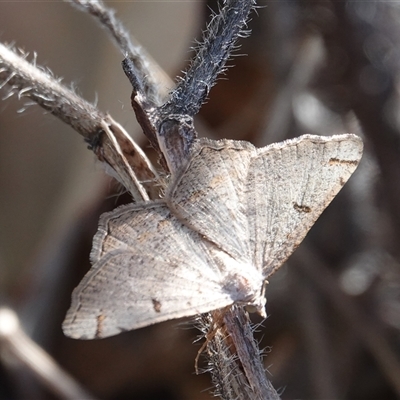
(231, 216)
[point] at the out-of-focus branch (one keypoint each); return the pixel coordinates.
(319, 350)
(280, 114)
(26, 79)
(370, 335)
(155, 81)
(14, 342)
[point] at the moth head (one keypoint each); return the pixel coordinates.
(258, 305)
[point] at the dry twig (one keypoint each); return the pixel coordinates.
(16, 345)
(128, 163)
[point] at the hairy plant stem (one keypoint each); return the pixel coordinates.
(219, 40)
(234, 359)
(127, 162)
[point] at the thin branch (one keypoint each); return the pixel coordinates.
(219, 41)
(280, 114)
(15, 342)
(319, 350)
(154, 80)
(26, 79)
(144, 108)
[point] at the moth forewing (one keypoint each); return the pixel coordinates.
(229, 219)
(290, 185)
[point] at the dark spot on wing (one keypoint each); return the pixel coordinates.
(76, 314)
(156, 305)
(336, 161)
(301, 208)
(164, 223)
(99, 330)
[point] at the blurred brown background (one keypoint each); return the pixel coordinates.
(316, 67)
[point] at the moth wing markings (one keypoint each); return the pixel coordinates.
(169, 275)
(289, 186)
